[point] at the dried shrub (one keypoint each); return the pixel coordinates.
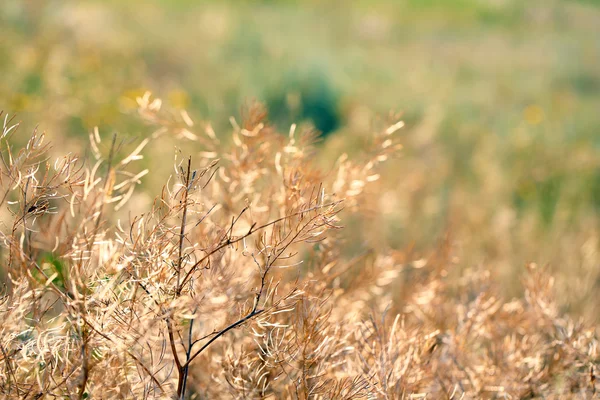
(235, 283)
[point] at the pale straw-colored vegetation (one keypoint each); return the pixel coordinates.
(235, 282)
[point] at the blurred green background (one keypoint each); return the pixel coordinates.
(501, 100)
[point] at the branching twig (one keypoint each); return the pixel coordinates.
(253, 229)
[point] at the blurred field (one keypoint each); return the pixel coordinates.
(501, 101)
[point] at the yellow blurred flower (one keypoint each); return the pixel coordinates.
(534, 115)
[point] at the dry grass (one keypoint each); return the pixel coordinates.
(235, 283)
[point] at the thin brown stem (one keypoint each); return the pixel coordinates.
(183, 378)
(85, 367)
(186, 191)
(239, 322)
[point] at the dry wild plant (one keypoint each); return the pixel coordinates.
(235, 284)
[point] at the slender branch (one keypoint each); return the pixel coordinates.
(172, 343)
(181, 371)
(85, 367)
(183, 378)
(252, 314)
(182, 228)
